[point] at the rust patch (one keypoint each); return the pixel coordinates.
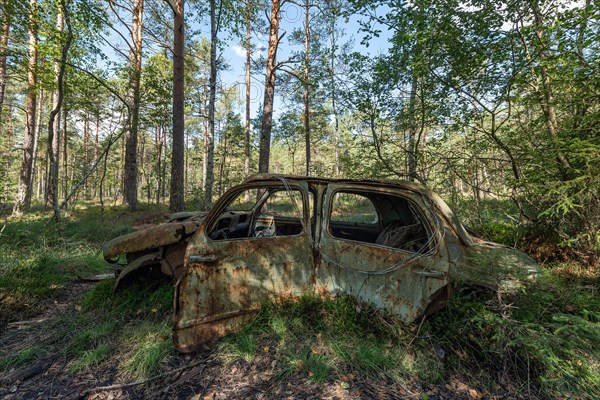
(221, 281)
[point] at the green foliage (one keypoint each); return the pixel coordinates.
(150, 347)
(544, 338)
(23, 357)
(321, 339)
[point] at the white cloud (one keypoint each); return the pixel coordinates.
(239, 50)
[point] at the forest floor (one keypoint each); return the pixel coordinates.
(62, 336)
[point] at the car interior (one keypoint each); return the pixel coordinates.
(260, 213)
(370, 217)
(377, 218)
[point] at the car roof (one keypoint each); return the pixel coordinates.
(312, 179)
(440, 204)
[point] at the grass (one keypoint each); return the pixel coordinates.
(36, 265)
(541, 342)
(324, 339)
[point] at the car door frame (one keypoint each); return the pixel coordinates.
(347, 266)
(227, 280)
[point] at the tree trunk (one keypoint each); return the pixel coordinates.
(411, 154)
(3, 51)
(130, 175)
(176, 200)
(267, 118)
(65, 153)
(86, 145)
(54, 120)
(96, 137)
(336, 119)
(8, 158)
(548, 105)
(54, 134)
(163, 187)
(203, 113)
(248, 66)
(158, 141)
(210, 138)
(22, 201)
(36, 141)
(306, 98)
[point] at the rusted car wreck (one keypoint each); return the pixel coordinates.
(393, 244)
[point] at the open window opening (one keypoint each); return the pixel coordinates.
(378, 218)
(260, 213)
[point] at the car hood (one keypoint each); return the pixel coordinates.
(153, 237)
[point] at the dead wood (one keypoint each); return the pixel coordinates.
(29, 372)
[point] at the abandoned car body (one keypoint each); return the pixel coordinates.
(395, 245)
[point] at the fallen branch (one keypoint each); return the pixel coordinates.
(30, 372)
(140, 382)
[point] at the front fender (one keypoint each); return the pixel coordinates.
(149, 238)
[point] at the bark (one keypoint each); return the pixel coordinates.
(267, 118)
(210, 137)
(176, 200)
(65, 153)
(158, 141)
(306, 98)
(203, 112)
(3, 51)
(36, 141)
(96, 137)
(163, 187)
(54, 135)
(135, 64)
(86, 143)
(248, 65)
(336, 119)
(8, 158)
(548, 104)
(22, 202)
(411, 154)
(54, 120)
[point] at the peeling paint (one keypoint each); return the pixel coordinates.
(224, 275)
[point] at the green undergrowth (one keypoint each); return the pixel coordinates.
(130, 329)
(37, 263)
(327, 338)
(490, 219)
(133, 323)
(541, 342)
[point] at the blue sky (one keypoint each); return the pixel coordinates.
(292, 17)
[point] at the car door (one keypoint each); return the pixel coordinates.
(401, 280)
(227, 278)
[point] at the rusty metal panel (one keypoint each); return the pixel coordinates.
(351, 267)
(150, 238)
(226, 281)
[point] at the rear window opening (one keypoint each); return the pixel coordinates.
(378, 218)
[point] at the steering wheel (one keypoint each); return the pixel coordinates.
(221, 234)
